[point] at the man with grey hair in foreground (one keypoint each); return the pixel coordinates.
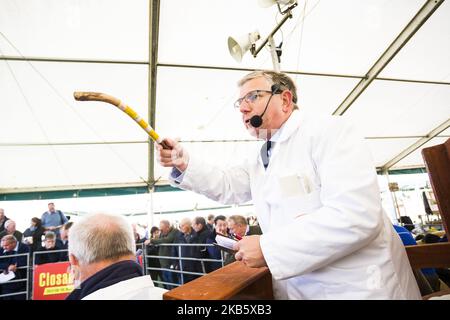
(102, 255)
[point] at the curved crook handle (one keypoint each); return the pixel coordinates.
(98, 96)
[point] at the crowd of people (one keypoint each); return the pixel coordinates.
(47, 237)
(178, 251)
(174, 242)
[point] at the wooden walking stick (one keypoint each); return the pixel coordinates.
(97, 96)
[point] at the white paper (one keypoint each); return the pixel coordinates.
(225, 242)
(6, 277)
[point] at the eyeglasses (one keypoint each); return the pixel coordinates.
(250, 97)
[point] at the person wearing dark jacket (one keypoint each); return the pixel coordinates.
(239, 228)
(210, 222)
(220, 227)
(189, 236)
(152, 250)
(32, 236)
(10, 229)
(168, 235)
(203, 233)
(3, 219)
(47, 254)
(64, 234)
(102, 254)
(10, 246)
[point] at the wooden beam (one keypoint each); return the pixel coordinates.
(437, 160)
(436, 255)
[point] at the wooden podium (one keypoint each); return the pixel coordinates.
(437, 160)
(437, 255)
(235, 281)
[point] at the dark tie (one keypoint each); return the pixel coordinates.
(265, 153)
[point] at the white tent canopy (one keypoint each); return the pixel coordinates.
(169, 60)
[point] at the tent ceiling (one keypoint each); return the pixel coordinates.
(51, 48)
(425, 56)
(398, 109)
(99, 29)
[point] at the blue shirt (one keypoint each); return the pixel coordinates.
(408, 240)
(177, 175)
(405, 235)
(53, 219)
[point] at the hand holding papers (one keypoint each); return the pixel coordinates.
(225, 244)
(4, 277)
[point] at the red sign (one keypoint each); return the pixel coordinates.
(52, 281)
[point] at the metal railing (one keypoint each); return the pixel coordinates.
(37, 253)
(29, 284)
(19, 280)
(181, 272)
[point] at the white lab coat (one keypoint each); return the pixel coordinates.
(325, 234)
(139, 288)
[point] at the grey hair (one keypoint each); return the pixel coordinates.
(185, 221)
(166, 222)
(282, 79)
(8, 222)
(99, 237)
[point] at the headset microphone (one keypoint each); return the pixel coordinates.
(256, 121)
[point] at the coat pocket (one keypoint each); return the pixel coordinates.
(298, 206)
(294, 185)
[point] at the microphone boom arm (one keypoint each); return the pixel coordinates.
(254, 51)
